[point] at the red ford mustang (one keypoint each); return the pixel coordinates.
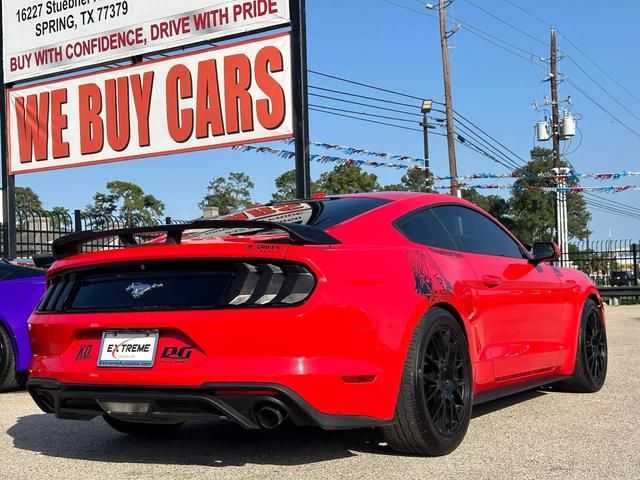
(395, 310)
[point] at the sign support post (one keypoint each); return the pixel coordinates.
(300, 97)
(8, 181)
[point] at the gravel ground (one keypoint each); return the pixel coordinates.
(533, 435)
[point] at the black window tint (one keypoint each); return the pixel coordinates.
(423, 227)
(337, 210)
(9, 271)
(475, 233)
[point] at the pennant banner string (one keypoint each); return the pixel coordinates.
(351, 162)
(530, 188)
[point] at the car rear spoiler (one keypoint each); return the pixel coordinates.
(72, 244)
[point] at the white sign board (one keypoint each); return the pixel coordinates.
(213, 98)
(41, 37)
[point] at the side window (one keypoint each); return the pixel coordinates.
(475, 233)
(423, 227)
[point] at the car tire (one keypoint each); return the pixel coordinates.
(436, 392)
(141, 429)
(9, 379)
(592, 354)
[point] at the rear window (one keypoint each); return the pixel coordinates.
(9, 271)
(321, 213)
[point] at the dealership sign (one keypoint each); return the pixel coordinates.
(41, 37)
(223, 96)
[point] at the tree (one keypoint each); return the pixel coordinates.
(28, 200)
(228, 194)
(126, 200)
(346, 179)
(286, 187)
(497, 206)
(414, 180)
(533, 212)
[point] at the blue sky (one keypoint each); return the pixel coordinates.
(375, 42)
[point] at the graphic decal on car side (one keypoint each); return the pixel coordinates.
(429, 279)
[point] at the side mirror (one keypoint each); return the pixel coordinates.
(545, 252)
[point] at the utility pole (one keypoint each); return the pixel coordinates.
(555, 106)
(444, 42)
(562, 230)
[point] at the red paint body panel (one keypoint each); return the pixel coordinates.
(521, 320)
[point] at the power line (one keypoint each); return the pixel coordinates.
(458, 114)
(527, 12)
(343, 113)
(487, 37)
(601, 107)
(603, 89)
(511, 165)
(366, 114)
(605, 210)
(478, 32)
(465, 124)
(510, 25)
(600, 206)
(465, 142)
(353, 82)
(604, 71)
(369, 121)
(376, 99)
(605, 204)
(589, 97)
(578, 49)
(461, 118)
(352, 102)
(615, 203)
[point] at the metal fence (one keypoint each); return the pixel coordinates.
(600, 259)
(36, 230)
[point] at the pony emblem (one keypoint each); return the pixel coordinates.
(138, 290)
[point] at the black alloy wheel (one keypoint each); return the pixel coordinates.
(595, 346)
(443, 378)
(591, 353)
(8, 377)
(434, 403)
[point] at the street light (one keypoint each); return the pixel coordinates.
(426, 109)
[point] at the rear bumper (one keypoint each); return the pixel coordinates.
(313, 350)
(235, 402)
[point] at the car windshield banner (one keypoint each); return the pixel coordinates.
(42, 37)
(213, 98)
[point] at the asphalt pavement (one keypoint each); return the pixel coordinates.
(534, 435)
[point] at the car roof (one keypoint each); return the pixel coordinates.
(393, 196)
(427, 198)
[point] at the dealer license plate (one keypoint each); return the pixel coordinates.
(126, 348)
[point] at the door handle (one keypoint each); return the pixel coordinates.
(491, 281)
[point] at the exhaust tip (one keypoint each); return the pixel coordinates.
(270, 417)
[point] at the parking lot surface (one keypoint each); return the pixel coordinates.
(534, 435)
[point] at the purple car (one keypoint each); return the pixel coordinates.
(20, 291)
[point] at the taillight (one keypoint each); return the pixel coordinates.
(178, 285)
(269, 284)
